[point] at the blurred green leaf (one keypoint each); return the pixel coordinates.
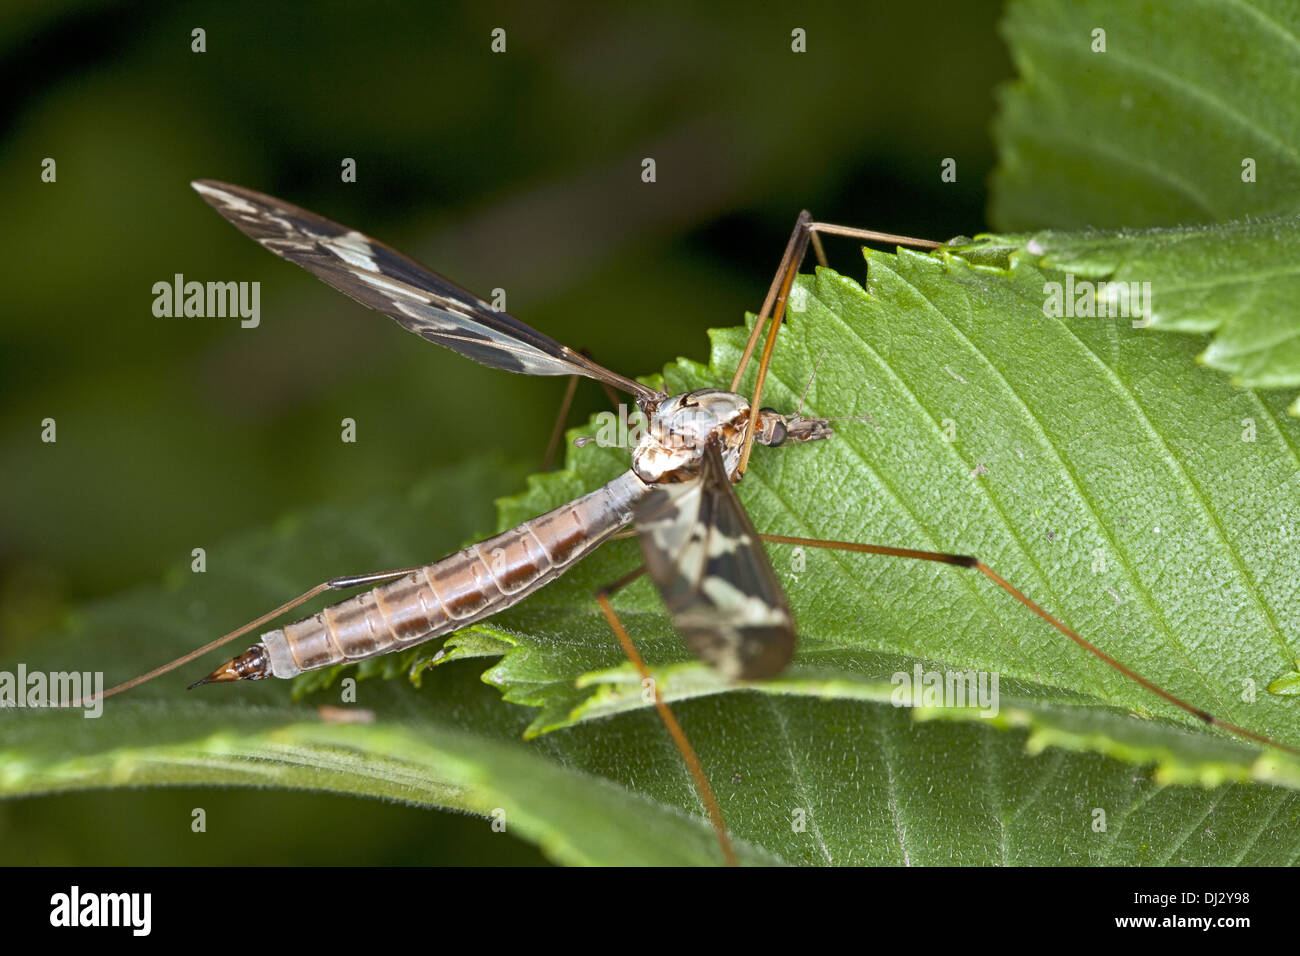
(575, 817)
(1153, 131)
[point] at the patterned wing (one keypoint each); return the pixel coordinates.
(383, 279)
(710, 566)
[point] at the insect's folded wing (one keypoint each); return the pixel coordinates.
(715, 577)
(383, 279)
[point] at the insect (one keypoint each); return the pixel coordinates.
(700, 548)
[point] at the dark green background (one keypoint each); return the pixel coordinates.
(518, 170)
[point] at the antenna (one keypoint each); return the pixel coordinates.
(812, 378)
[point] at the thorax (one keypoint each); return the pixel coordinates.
(678, 431)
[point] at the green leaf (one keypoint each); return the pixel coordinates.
(1094, 467)
(1155, 130)
(1148, 116)
(1289, 683)
(412, 757)
(1234, 280)
(1089, 467)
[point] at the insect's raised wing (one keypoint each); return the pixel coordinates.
(710, 566)
(381, 278)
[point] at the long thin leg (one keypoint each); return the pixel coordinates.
(791, 258)
(806, 230)
(967, 561)
(666, 715)
(562, 418)
(333, 584)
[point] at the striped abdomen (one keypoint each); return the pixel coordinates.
(458, 590)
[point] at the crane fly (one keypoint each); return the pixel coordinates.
(700, 548)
